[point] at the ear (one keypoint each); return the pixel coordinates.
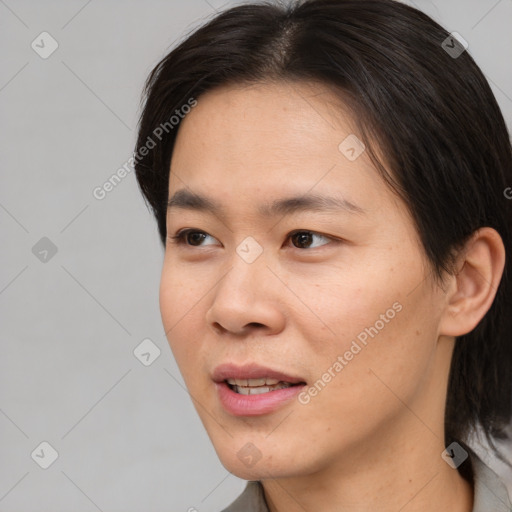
(472, 290)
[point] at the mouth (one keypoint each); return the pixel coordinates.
(258, 386)
(253, 377)
(253, 390)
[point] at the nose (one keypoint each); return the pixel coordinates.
(246, 300)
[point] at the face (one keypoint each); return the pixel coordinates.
(331, 299)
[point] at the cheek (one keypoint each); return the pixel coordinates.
(342, 304)
(180, 291)
(383, 365)
(179, 308)
(383, 326)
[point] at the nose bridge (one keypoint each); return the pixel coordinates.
(248, 271)
(244, 295)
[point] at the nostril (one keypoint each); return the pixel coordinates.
(255, 324)
(219, 327)
(251, 325)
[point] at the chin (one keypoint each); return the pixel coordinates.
(249, 463)
(260, 471)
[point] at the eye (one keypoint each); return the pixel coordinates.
(301, 239)
(304, 238)
(192, 237)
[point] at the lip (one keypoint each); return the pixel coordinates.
(253, 405)
(250, 371)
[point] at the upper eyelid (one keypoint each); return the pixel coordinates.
(182, 232)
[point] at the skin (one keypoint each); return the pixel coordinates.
(372, 438)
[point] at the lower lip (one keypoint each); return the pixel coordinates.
(254, 405)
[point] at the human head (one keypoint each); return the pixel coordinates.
(429, 122)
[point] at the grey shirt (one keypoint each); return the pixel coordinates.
(490, 494)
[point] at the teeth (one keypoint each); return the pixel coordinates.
(252, 391)
(263, 381)
(256, 386)
(258, 390)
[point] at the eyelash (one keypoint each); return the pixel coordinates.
(180, 237)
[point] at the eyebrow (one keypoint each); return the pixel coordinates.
(188, 200)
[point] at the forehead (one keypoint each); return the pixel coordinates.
(270, 141)
(264, 109)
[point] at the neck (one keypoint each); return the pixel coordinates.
(398, 468)
(405, 477)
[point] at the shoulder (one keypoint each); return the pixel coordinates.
(490, 492)
(252, 499)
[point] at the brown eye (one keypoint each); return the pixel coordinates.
(191, 237)
(304, 239)
(194, 237)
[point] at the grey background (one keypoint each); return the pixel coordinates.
(126, 434)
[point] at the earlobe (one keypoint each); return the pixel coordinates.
(481, 263)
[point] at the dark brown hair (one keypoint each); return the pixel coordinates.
(431, 114)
